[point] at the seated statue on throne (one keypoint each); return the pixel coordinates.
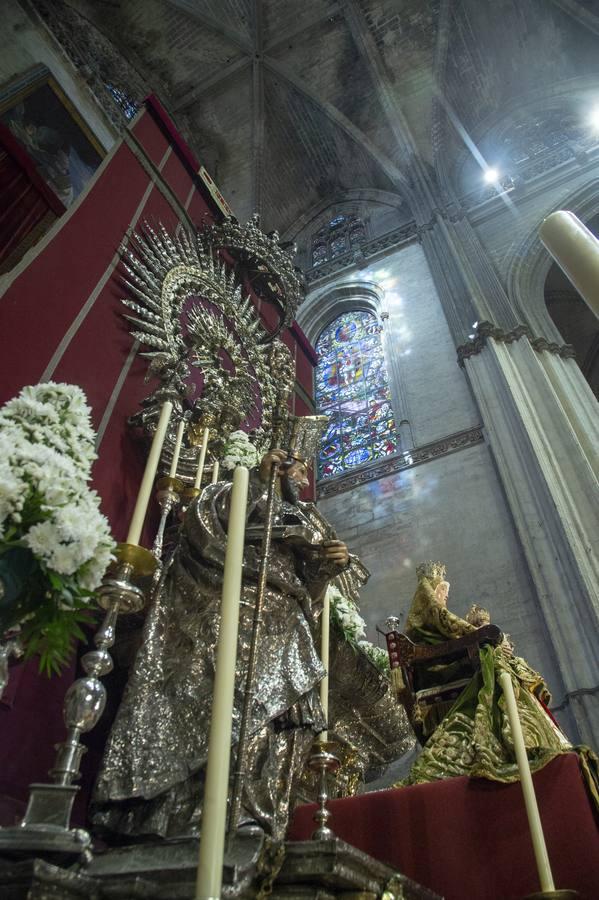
(472, 735)
(151, 778)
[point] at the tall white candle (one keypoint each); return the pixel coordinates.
(147, 482)
(325, 622)
(576, 250)
(530, 801)
(214, 472)
(214, 812)
(177, 451)
(198, 482)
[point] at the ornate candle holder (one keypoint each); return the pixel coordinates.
(168, 494)
(188, 495)
(564, 894)
(10, 647)
(45, 828)
(323, 761)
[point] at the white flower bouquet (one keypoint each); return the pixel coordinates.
(345, 614)
(239, 451)
(55, 545)
(378, 656)
(347, 617)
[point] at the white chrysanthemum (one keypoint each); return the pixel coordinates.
(42, 538)
(46, 451)
(334, 594)
(93, 571)
(57, 417)
(65, 558)
(12, 492)
(238, 436)
(72, 521)
(239, 451)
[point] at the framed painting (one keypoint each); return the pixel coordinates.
(50, 131)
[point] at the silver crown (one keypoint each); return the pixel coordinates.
(273, 276)
(303, 437)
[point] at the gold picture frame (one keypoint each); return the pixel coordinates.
(50, 131)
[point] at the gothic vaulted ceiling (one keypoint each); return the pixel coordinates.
(292, 104)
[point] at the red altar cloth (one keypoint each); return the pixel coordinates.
(468, 838)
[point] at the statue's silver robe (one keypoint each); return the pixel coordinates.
(150, 781)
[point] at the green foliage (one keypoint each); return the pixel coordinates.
(49, 608)
(51, 634)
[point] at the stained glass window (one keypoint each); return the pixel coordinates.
(319, 253)
(338, 244)
(352, 388)
(357, 233)
(340, 235)
(128, 106)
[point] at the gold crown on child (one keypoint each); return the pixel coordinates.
(430, 569)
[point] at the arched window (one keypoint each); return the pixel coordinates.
(343, 233)
(352, 388)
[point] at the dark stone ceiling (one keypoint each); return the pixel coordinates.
(291, 102)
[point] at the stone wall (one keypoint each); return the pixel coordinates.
(433, 390)
(451, 508)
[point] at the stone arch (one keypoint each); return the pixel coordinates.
(358, 196)
(324, 305)
(365, 203)
(560, 98)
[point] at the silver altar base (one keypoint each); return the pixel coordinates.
(332, 868)
(167, 871)
(35, 878)
(45, 829)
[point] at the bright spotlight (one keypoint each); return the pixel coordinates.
(491, 176)
(594, 119)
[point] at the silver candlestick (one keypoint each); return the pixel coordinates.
(45, 828)
(323, 761)
(10, 646)
(168, 494)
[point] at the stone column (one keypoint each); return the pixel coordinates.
(468, 286)
(542, 424)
